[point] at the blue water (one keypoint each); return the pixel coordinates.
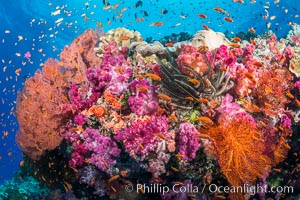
(33, 21)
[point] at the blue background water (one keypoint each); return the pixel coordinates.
(33, 21)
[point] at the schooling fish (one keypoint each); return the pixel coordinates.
(228, 19)
(164, 11)
(202, 16)
(138, 4)
(157, 24)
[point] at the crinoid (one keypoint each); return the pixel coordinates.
(186, 89)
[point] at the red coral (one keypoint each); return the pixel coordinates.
(270, 93)
(80, 56)
(38, 110)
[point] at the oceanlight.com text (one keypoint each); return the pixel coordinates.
(211, 188)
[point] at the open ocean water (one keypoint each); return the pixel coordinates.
(33, 31)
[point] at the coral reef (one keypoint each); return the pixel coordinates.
(241, 160)
(122, 36)
(186, 111)
(145, 49)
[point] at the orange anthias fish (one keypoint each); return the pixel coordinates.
(115, 6)
(249, 75)
(124, 37)
(157, 24)
(205, 27)
(205, 120)
(253, 41)
(154, 77)
(257, 63)
(99, 24)
(297, 102)
(160, 135)
(169, 44)
(115, 177)
(228, 19)
(289, 95)
(203, 100)
(236, 39)
(219, 10)
(164, 97)
(189, 98)
(202, 16)
(142, 89)
(194, 81)
(251, 30)
(18, 71)
(238, 1)
(235, 45)
(223, 68)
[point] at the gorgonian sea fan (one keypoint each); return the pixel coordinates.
(239, 148)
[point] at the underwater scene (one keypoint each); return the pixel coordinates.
(150, 100)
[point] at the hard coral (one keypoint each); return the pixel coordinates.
(122, 37)
(38, 111)
(145, 49)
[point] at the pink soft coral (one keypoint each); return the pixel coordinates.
(188, 141)
(191, 58)
(104, 150)
(144, 100)
(141, 136)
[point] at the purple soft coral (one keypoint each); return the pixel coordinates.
(114, 72)
(145, 99)
(104, 150)
(188, 141)
(140, 137)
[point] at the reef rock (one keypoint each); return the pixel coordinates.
(207, 38)
(145, 49)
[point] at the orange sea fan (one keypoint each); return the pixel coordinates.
(239, 149)
(38, 111)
